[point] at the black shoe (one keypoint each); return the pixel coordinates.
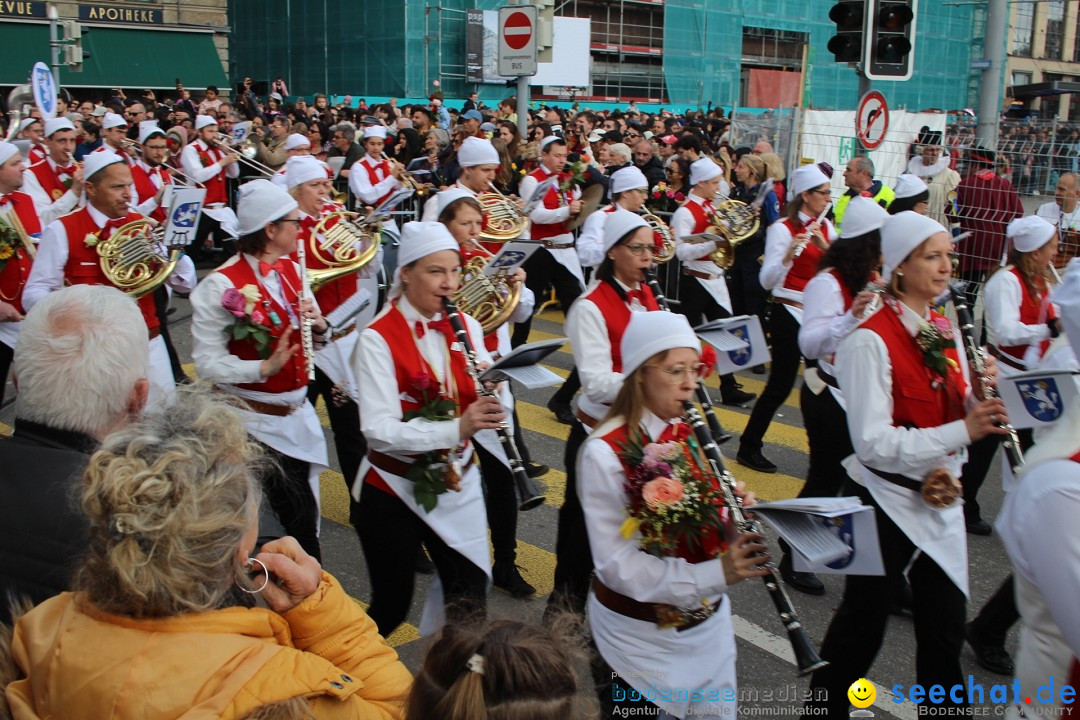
(979, 527)
(736, 397)
(506, 577)
(755, 461)
(758, 369)
(563, 412)
(422, 564)
(994, 658)
(903, 605)
(534, 469)
(804, 582)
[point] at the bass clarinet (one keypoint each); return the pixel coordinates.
(717, 430)
(806, 656)
(528, 494)
(976, 358)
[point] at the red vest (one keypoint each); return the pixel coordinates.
(553, 200)
(48, 179)
(804, 267)
(701, 219)
(17, 269)
(710, 543)
(105, 147)
(616, 312)
(215, 186)
(409, 363)
(294, 374)
(36, 153)
(84, 265)
(373, 177)
(849, 299)
(146, 188)
(915, 402)
(337, 291)
(1030, 310)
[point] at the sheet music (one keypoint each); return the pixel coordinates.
(531, 376)
(723, 341)
(806, 533)
(349, 309)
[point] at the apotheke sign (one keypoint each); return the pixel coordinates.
(123, 15)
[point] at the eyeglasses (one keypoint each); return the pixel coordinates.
(821, 192)
(630, 136)
(288, 220)
(155, 147)
(640, 250)
(679, 372)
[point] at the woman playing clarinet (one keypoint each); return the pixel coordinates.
(658, 610)
(419, 411)
(915, 417)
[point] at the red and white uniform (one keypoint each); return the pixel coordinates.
(36, 153)
(65, 257)
(106, 147)
(48, 184)
(16, 271)
(1017, 320)
(549, 220)
(397, 346)
(692, 217)
(590, 242)
(788, 280)
(202, 163)
(431, 207)
(148, 181)
(826, 321)
(372, 182)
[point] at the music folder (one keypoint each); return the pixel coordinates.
(523, 364)
(828, 534)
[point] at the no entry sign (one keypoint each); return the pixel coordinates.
(517, 40)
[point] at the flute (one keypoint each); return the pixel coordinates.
(701, 393)
(806, 240)
(307, 341)
(528, 494)
(806, 656)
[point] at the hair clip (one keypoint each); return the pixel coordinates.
(476, 664)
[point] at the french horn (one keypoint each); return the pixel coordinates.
(491, 299)
(734, 221)
(134, 258)
(503, 219)
(663, 234)
(343, 244)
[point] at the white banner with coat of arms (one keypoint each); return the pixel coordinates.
(1036, 399)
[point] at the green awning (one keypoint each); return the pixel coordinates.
(119, 57)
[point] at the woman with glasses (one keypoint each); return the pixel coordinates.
(659, 612)
(629, 190)
(671, 194)
(793, 249)
(319, 136)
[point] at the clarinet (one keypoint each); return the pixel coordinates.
(806, 656)
(527, 491)
(702, 394)
(976, 357)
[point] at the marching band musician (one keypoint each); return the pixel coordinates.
(296, 145)
(793, 249)
(372, 179)
(595, 326)
(834, 303)
(148, 171)
(661, 621)
(915, 416)
(705, 297)
(463, 217)
(15, 259)
(629, 191)
(479, 161)
(33, 130)
(205, 163)
(309, 183)
(68, 255)
(56, 183)
(556, 263)
(415, 368)
(265, 368)
(114, 130)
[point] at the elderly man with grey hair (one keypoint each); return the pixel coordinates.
(859, 179)
(81, 371)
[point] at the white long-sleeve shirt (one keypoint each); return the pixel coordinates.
(825, 321)
(682, 224)
(47, 273)
(47, 208)
(543, 215)
(1002, 297)
(193, 167)
(777, 241)
(361, 185)
(590, 243)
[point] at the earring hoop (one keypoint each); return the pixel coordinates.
(266, 577)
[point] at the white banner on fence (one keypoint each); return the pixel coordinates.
(829, 136)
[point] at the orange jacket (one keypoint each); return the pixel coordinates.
(76, 661)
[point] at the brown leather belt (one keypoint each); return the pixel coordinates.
(347, 331)
(786, 301)
(700, 274)
(400, 468)
(257, 406)
(661, 614)
(154, 331)
(586, 419)
(1004, 357)
(557, 246)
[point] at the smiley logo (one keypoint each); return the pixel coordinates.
(862, 693)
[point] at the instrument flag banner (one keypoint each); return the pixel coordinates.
(1038, 398)
(394, 200)
(829, 535)
(745, 328)
(510, 257)
(43, 85)
(186, 204)
(538, 194)
(240, 132)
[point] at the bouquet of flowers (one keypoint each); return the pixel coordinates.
(671, 502)
(10, 241)
(251, 321)
(933, 339)
(432, 473)
(572, 176)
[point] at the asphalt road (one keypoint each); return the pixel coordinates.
(768, 682)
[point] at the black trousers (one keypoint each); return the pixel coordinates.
(7, 354)
(998, 614)
(390, 535)
(747, 295)
(784, 333)
(500, 499)
(698, 306)
(349, 442)
(161, 309)
(858, 628)
(285, 487)
(981, 454)
(573, 558)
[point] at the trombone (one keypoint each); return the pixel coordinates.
(241, 155)
(134, 149)
(406, 178)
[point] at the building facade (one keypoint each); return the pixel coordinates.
(684, 53)
(1044, 59)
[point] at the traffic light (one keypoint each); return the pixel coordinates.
(73, 53)
(890, 39)
(847, 44)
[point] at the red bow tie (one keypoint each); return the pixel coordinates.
(442, 325)
(308, 222)
(639, 295)
(5, 200)
(111, 225)
(677, 432)
(265, 268)
(69, 170)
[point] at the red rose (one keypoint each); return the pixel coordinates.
(708, 358)
(422, 381)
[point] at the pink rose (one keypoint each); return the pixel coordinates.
(942, 325)
(662, 492)
(258, 317)
(233, 301)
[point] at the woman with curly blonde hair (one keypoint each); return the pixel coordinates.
(164, 617)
